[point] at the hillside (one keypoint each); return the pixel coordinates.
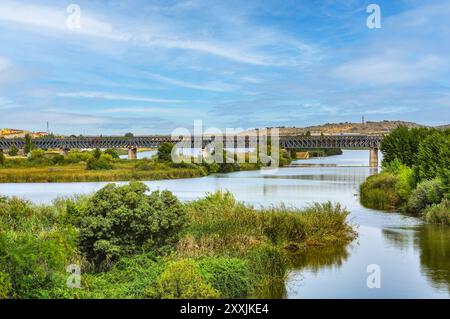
(369, 127)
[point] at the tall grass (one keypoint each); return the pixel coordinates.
(78, 173)
(221, 226)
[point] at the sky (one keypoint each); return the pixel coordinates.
(149, 67)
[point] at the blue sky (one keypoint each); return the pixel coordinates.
(152, 66)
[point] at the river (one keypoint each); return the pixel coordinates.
(413, 258)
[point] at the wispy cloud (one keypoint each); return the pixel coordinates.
(150, 35)
(389, 69)
(215, 86)
(116, 97)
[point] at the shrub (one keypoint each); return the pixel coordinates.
(122, 220)
(438, 213)
(232, 277)
(102, 163)
(379, 192)
(96, 153)
(112, 152)
(58, 159)
(76, 157)
(6, 290)
(37, 156)
(34, 250)
(405, 182)
(426, 193)
(181, 280)
(14, 151)
(165, 152)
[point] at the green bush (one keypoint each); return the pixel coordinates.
(122, 220)
(34, 249)
(232, 277)
(438, 213)
(58, 159)
(379, 192)
(406, 182)
(181, 280)
(6, 290)
(101, 163)
(128, 278)
(14, 151)
(112, 152)
(36, 155)
(75, 157)
(426, 193)
(165, 152)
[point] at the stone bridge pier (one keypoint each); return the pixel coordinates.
(373, 157)
(132, 152)
(64, 151)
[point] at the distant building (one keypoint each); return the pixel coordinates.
(12, 133)
(16, 133)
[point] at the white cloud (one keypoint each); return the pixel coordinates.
(116, 97)
(52, 18)
(246, 47)
(215, 86)
(387, 70)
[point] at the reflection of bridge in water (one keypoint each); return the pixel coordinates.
(370, 142)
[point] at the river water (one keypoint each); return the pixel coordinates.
(413, 259)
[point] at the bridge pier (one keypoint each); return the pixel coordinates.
(64, 151)
(373, 157)
(132, 153)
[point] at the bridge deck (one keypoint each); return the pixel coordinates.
(288, 142)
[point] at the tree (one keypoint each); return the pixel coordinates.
(432, 156)
(123, 220)
(28, 144)
(129, 135)
(2, 158)
(403, 144)
(13, 151)
(165, 152)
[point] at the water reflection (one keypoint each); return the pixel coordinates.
(434, 245)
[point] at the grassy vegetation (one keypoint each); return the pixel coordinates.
(94, 166)
(131, 244)
(415, 177)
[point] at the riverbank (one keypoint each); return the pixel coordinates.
(214, 247)
(122, 171)
(416, 175)
(107, 166)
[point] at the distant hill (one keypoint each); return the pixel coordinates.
(443, 127)
(369, 127)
